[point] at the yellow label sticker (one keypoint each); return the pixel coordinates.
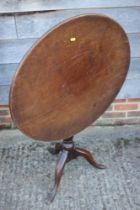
(73, 39)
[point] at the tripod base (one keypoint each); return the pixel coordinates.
(68, 152)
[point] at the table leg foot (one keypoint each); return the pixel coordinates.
(68, 153)
(58, 173)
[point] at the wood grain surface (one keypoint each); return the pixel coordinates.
(69, 77)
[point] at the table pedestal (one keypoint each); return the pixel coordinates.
(68, 153)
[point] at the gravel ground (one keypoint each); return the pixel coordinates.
(27, 172)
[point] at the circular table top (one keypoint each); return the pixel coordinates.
(69, 77)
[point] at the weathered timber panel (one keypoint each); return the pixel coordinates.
(134, 69)
(8, 6)
(130, 89)
(7, 72)
(34, 25)
(4, 94)
(7, 27)
(18, 32)
(12, 51)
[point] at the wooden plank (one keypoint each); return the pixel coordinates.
(34, 25)
(7, 27)
(13, 6)
(7, 71)
(130, 89)
(12, 51)
(4, 95)
(134, 40)
(134, 69)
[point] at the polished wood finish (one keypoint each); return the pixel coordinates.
(68, 153)
(70, 77)
(67, 80)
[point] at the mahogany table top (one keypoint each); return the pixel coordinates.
(69, 77)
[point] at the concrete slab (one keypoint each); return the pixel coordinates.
(27, 172)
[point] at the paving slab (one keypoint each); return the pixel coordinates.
(27, 172)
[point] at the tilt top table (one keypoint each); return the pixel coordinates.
(67, 80)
